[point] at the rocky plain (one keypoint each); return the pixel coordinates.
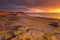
(19, 26)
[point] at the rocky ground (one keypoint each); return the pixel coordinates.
(18, 26)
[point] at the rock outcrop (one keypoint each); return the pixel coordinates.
(18, 26)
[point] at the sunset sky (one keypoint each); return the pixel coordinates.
(18, 5)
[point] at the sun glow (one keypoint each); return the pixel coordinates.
(35, 10)
(57, 10)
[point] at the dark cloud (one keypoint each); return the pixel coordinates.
(12, 5)
(17, 5)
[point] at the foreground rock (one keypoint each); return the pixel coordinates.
(18, 26)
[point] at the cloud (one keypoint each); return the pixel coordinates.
(12, 5)
(46, 3)
(15, 5)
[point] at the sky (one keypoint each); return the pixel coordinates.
(19, 5)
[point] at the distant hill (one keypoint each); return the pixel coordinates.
(46, 15)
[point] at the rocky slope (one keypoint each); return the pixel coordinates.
(18, 26)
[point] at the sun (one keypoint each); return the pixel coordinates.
(57, 10)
